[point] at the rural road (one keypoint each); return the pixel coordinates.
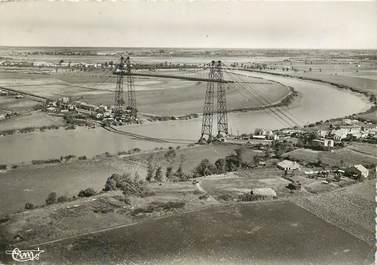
(200, 188)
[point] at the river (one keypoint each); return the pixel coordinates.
(317, 101)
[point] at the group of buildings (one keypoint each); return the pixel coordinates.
(334, 134)
(98, 112)
(356, 171)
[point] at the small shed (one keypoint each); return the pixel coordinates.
(264, 193)
(357, 171)
(288, 165)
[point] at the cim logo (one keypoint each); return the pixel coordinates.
(24, 255)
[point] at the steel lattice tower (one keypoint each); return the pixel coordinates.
(119, 97)
(131, 95)
(208, 109)
(222, 117)
(215, 74)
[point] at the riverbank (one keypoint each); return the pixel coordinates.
(365, 87)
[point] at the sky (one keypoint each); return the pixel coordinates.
(197, 24)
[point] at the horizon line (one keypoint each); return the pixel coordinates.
(176, 47)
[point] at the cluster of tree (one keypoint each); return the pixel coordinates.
(125, 182)
(53, 198)
(87, 192)
(282, 147)
(248, 196)
(230, 163)
(170, 154)
(156, 173)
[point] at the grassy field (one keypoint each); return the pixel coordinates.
(351, 208)
(102, 211)
(189, 158)
(240, 182)
(364, 148)
(33, 183)
(348, 156)
(263, 233)
(33, 119)
(10, 103)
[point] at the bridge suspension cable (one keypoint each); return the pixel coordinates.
(286, 113)
(285, 116)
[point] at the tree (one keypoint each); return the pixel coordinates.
(220, 165)
(169, 173)
(29, 206)
(62, 199)
(159, 177)
(51, 198)
(283, 147)
(179, 172)
(170, 154)
(180, 175)
(125, 182)
(258, 131)
(111, 182)
(150, 171)
(205, 168)
(87, 192)
(137, 177)
(232, 162)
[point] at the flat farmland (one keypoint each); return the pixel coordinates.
(32, 184)
(347, 156)
(257, 233)
(33, 119)
(102, 211)
(351, 208)
(189, 158)
(10, 103)
(243, 181)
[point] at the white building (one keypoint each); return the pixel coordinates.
(288, 165)
(264, 192)
(342, 132)
(323, 133)
(324, 142)
(359, 171)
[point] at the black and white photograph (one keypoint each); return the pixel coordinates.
(188, 132)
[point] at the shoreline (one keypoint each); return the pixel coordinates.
(370, 97)
(283, 102)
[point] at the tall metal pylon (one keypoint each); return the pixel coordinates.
(119, 97)
(131, 95)
(222, 117)
(208, 109)
(215, 74)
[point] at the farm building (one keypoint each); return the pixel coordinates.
(323, 143)
(357, 171)
(264, 193)
(288, 165)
